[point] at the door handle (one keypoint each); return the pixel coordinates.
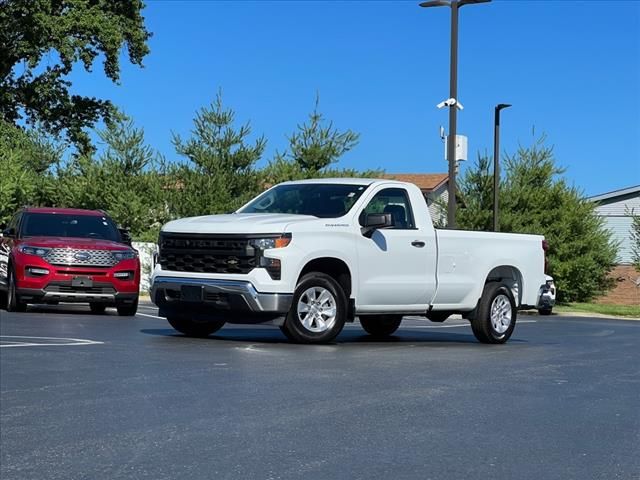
(418, 243)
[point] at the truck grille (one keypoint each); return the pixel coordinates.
(205, 253)
(80, 257)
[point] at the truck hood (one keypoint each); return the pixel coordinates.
(72, 242)
(237, 223)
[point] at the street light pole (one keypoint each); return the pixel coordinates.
(453, 93)
(496, 163)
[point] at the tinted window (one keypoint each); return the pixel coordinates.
(320, 200)
(14, 222)
(394, 201)
(62, 225)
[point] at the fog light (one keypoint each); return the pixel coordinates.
(123, 275)
(273, 267)
(37, 271)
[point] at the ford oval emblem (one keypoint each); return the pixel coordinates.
(82, 256)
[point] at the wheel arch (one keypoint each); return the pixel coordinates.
(332, 266)
(511, 277)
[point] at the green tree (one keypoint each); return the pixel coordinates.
(535, 198)
(42, 40)
(128, 179)
(476, 190)
(220, 173)
(27, 158)
(314, 150)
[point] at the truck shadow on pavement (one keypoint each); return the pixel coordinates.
(351, 336)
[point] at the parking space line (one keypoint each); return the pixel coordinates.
(150, 316)
(8, 341)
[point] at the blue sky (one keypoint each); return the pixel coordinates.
(570, 69)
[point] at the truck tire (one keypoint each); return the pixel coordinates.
(318, 310)
(192, 328)
(545, 311)
(127, 309)
(496, 315)
(13, 299)
(380, 326)
(97, 308)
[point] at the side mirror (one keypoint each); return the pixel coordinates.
(125, 236)
(9, 232)
(375, 221)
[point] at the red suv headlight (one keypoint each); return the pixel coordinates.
(37, 251)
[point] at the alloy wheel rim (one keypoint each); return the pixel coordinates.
(501, 314)
(317, 309)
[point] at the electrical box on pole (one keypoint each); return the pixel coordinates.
(461, 148)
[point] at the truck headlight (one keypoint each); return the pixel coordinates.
(271, 242)
(37, 251)
(125, 255)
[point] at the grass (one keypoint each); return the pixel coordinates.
(631, 311)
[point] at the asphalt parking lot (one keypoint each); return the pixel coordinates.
(105, 397)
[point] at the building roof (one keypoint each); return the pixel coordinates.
(424, 181)
(616, 193)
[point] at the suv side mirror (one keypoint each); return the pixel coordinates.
(375, 221)
(9, 232)
(125, 236)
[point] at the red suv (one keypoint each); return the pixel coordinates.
(51, 255)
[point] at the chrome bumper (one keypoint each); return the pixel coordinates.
(241, 295)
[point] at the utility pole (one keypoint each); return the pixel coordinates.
(496, 163)
(453, 93)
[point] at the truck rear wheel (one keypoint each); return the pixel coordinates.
(318, 310)
(192, 328)
(496, 316)
(380, 325)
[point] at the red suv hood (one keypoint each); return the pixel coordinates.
(71, 242)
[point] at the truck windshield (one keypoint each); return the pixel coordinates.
(323, 200)
(63, 225)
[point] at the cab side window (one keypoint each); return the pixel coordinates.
(394, 201)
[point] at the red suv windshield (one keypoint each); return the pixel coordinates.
(65, 225)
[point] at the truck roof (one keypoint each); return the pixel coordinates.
(345, 181)
(64, 211)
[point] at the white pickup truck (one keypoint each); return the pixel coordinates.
(310, 255)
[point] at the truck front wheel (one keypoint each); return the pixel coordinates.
(496, 315)
(380, 325)
(192, 328)
(318, 310)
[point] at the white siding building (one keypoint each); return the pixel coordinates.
(615, 208)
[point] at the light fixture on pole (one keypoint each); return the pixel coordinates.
(453, 94)
(496, 163)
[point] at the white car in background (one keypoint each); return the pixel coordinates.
(548, 297)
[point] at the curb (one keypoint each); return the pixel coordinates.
(578, 315)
